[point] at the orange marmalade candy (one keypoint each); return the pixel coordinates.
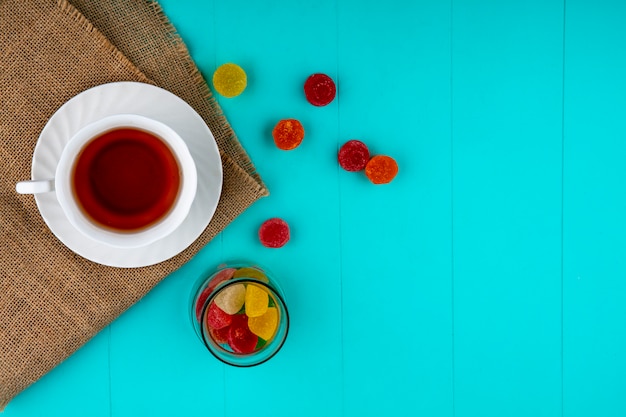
(288, 134)
(381, 169)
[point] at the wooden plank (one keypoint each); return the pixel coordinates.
(507, 139)
(394, 95)
(594, 209)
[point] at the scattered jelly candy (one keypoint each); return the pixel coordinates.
(220, 277)
(264, 326)
(200, 303)
(251, 273)
(223, 275)
(231, 298)
(274, 233)
(381, 169)
(319, 89)
(260, 344)
(216, 318)
(353, 155)
(242, 310)
(220, 336)
(229, 80)
(288, 134)
(256, 301)
(240, 338)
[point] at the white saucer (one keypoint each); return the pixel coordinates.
(145, 100)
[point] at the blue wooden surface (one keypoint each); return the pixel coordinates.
(489, 279)
(506, 127)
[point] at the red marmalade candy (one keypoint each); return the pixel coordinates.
(216, 318)
(200, 303)
(319, 89)
(220, 336)
(353, 155)
(274, 233)
(220, 277)
(240, 338)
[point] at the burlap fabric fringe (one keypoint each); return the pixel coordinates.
(51, 300)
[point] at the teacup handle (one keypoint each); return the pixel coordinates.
(34, 186)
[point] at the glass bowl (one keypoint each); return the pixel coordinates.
(239, 313)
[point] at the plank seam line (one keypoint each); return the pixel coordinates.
(563, 212)
(453, 394)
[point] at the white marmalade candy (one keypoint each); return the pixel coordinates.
(231, 298)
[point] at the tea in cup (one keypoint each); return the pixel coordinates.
(124, 180)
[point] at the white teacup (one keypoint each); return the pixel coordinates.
(124, 180)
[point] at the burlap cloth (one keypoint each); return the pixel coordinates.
(51, 300)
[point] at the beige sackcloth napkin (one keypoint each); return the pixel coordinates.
(53, 301)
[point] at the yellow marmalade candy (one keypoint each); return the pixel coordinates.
(257, 300)
(264, 326)
(251, 273)
(229, 80)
